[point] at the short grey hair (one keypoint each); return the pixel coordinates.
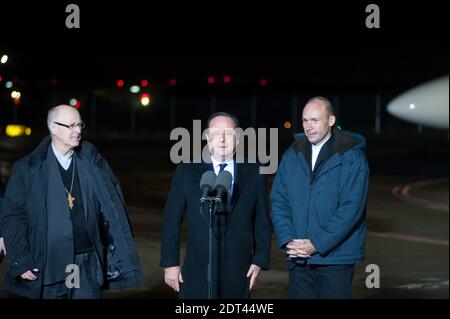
(51, 115)
(325, 101)
(224, 114)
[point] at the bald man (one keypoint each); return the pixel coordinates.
(63, 219)
(319, 203)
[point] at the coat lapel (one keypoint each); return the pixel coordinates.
(240, 179)
(40, 176)
(81, 168)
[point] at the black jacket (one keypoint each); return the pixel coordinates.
(2, 192)
(23, 219)
(247, 239)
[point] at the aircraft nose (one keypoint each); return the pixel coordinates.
(427, 104)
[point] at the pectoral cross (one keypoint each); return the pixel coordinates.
(70, 200)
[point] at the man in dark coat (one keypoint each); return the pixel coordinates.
(63, 219)
(2, 192)
(241, 233)
(2, 245)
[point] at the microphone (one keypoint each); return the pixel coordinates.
(223, 183)
(207, 184)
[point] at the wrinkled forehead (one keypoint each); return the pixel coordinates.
(68, 115)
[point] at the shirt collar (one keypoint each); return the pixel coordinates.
(216, 163)
(59, 155)
(319, 146)
(64, 160)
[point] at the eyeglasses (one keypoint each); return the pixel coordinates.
(81, 125)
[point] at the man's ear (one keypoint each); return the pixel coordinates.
(332, 120)
(208, 140)
(237, 136)
(52, 128)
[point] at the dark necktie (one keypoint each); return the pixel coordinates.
(227, 195)
(221, 216)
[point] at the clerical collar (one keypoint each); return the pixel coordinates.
(64, 160)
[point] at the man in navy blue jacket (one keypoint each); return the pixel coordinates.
(319, 203)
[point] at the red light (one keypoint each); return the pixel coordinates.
(263, 82)
(144, 83)
(120, 83)
(172, 82)
(16, 101)
(226, 79)
(1, 78)
(77, 105)
(145, 95)
(211, 80)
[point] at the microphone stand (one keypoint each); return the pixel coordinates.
(211, 210)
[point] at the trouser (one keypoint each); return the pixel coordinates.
(321, 281)
(89, 275)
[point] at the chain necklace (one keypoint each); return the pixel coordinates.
(71, 199)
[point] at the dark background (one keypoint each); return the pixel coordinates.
(301, 49)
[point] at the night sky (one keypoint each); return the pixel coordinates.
(307, 49)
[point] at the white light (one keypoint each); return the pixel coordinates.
(9, 84)
(4, 59)
(426, 104)
(15, 95)
(145, 101)
(135, 89)
(73, 102)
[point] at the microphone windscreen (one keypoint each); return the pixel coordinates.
(224, 180)
(208, 180)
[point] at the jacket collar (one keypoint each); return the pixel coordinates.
(343, 141)
(39, 155)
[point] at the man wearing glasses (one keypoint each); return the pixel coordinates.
(63, 219)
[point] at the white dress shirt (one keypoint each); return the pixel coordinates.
(64, 160)
(228, 168)
(315, 150)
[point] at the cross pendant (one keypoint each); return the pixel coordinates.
(70, 200)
